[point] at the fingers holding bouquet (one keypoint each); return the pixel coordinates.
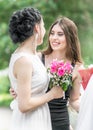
(57, 92)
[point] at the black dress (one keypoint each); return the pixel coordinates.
(59, 110)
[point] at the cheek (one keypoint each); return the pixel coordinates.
(63, 40)
(49, 38)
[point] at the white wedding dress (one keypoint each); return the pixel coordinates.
(85, 117)
(38, 119)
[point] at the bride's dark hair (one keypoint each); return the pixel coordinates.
(22, 23)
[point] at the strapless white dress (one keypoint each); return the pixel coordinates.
(38, 119)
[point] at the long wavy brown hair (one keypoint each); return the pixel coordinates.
(73, 51)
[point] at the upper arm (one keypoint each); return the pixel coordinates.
(75, 92)
(23, 72)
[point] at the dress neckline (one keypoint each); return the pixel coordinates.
(17, 53)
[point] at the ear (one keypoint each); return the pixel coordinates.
(37, 28)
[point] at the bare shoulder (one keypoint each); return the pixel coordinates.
(79, 66)
(23, 60)
(22, 66)
(23, 63)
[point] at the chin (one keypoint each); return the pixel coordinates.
(58, 48)
(55, 48)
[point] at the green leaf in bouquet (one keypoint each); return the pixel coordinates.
(50, 83)
(65, 85)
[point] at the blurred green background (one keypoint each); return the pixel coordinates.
(80, 11)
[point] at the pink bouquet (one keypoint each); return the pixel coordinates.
(60, 74)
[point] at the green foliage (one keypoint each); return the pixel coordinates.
(5, 99)
(80, 11)
(4, 84)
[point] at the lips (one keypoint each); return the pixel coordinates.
(55, 43)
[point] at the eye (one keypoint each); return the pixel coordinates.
(60, 34)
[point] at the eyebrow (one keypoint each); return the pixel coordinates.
(61, 32)
(58, 31)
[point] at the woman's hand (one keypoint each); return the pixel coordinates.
(57, 92)
(12, 93)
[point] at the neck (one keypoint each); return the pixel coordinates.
(58, 55)
(28, 46)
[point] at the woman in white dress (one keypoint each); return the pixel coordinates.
(85, 117)
(29, 77)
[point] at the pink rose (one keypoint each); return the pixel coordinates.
(54, 66)
(61, 71)
(68, 67)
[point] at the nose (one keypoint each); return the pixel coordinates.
(54, 36)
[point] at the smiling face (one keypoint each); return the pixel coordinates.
(57, 38)
(63, 39)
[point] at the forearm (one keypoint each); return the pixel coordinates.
(34, 102)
